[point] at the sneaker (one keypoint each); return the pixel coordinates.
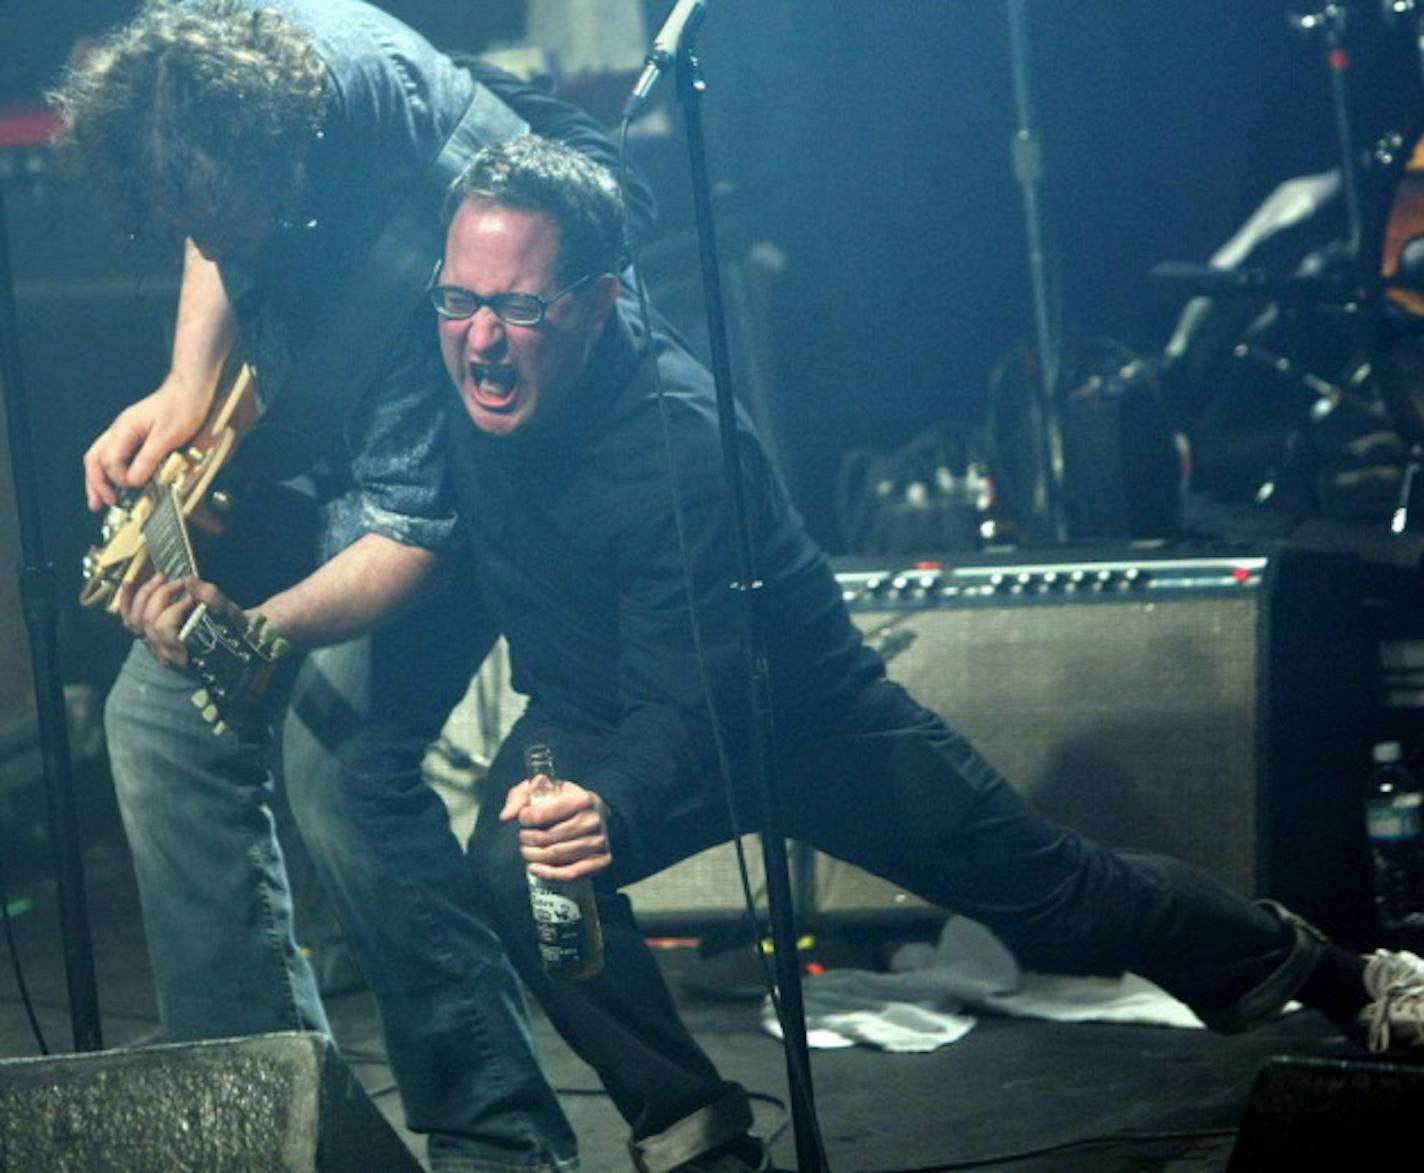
(1395, 1015)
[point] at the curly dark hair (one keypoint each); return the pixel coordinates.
(183, 105)
(536, 175)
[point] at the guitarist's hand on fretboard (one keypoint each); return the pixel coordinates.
(190, 624)
(158, 610)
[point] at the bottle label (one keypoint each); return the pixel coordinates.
(550, 905)
(558, 921)
(1393, 820)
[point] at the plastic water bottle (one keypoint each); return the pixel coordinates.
(1394, 820)
(565, 915)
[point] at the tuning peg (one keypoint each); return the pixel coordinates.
(264, 635)
(201, 698)
(219, 728)
(210, 714)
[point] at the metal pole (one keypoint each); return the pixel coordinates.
(37, 593)
(809, 1157)
(1028, 169)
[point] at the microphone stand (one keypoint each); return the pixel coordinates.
(37, 593)
(809, 1157)
(1028, 170)
(1369, 306)
(1332, 21)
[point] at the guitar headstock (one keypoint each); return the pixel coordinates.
(236, 663)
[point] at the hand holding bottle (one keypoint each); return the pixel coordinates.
(563, 828)
(563, 837)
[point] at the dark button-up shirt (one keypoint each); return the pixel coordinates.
(574, 539)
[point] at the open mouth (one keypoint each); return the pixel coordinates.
(493, 386)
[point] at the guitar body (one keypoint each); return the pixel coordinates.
(123, 555)
(235, 658)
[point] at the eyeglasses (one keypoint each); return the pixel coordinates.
(517, 309)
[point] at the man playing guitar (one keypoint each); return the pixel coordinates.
(300, 150)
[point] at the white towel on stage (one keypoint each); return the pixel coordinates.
(921, 1004)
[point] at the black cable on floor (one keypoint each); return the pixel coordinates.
(17, 966)
(1067, 1147)
(758, 1097)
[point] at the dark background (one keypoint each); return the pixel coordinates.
(868, 141)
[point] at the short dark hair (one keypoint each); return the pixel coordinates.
(580, 196)
(165, 115)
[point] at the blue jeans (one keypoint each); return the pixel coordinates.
(217, 907)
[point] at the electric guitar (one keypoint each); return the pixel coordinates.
(148, 529)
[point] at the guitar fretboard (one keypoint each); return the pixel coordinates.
(167, 537)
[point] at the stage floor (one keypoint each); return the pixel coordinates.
(1012, 1094)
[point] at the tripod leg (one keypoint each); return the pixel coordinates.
(1399, 521)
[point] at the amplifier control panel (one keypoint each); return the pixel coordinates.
(928, 583)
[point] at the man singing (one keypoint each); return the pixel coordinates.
(589, 475)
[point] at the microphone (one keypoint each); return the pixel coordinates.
(681, 22)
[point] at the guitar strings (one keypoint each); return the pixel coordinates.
(167, 537)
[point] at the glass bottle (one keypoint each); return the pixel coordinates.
(565, 914)
(1394, 820)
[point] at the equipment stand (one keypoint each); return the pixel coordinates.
(37, 592)
(1048, 497)
(809, 1156)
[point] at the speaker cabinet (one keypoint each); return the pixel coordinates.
(1217, 708)
(278, 1102)
(1328, 1110)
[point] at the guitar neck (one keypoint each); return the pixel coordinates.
(166, 535)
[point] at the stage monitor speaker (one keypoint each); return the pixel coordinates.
(271, 1102)
(1312, 1113)
(1217, 708)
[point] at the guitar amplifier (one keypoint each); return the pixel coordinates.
(1217, 708)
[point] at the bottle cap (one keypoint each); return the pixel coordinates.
(1387, 751)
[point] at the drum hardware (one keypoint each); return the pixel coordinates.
(1372, 282)
(1339, 290)
(1398, 11)
(1331, 293)
(1328, 395)
(1372, 387)
(1333, 23)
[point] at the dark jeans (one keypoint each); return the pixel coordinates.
(895, 791)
